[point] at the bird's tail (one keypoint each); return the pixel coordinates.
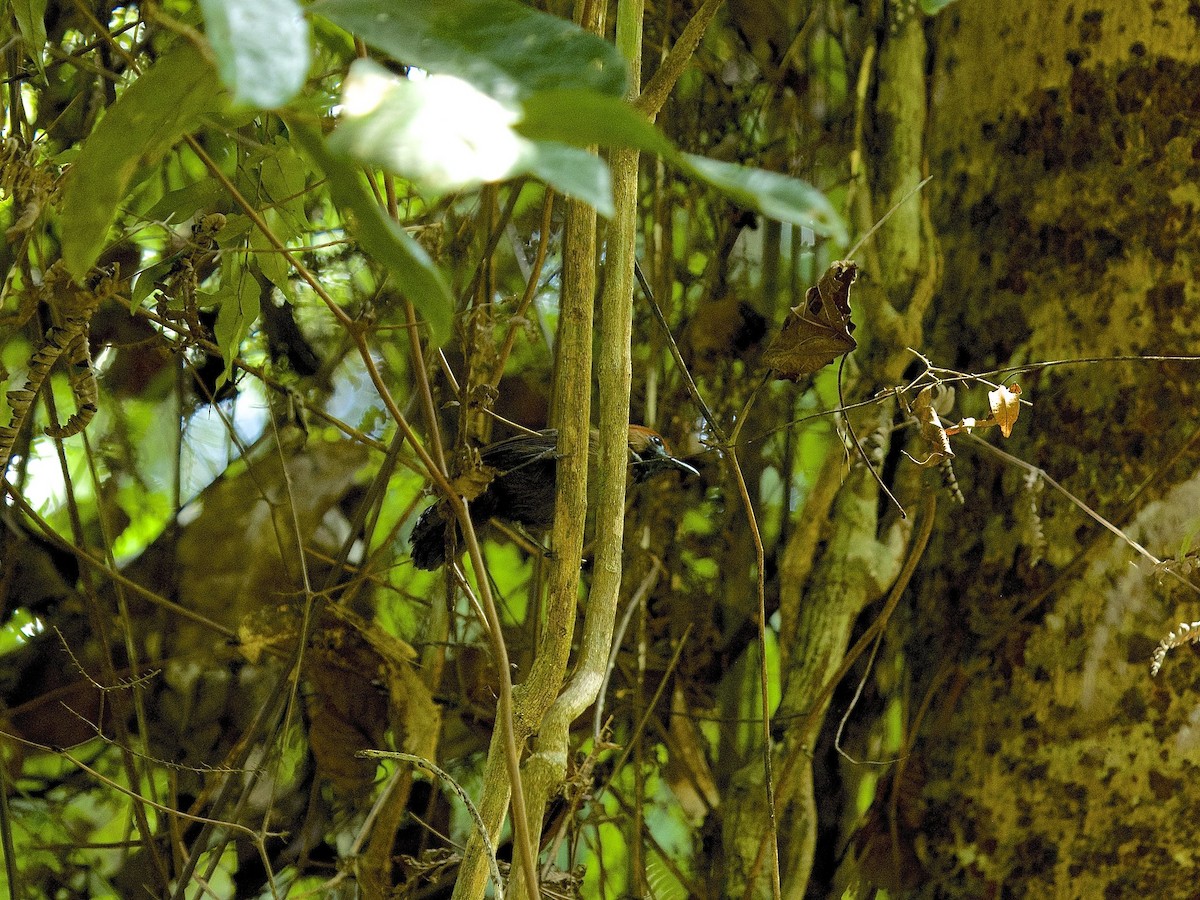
(428, 540)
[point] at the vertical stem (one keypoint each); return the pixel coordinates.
(547, 767)
(572, 416)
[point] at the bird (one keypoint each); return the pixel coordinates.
(521, 492)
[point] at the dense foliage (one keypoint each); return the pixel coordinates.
(274, 274)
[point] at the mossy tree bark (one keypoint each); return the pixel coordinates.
(1065, 145)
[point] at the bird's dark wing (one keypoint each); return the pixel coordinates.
(521, 451)
(523, 489)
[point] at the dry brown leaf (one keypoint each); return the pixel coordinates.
(473, 482)
(818, 331)
(1005, 404)
(930, 429)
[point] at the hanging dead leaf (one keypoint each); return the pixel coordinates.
(818, 331)
(930, 429)
(1005, 404)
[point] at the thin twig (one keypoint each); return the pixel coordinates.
(493, 867)
(531, 285)
(643, 589)
(659, 87)
(138, 798)
(862, 240)
(858, 445)
(821, 697)
(1087, 510)
(692, 390)
(615, 769)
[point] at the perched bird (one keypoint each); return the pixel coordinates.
(521, 491)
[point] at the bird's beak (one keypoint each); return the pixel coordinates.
(680, 464)
(660, 461)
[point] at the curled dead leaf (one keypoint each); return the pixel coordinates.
(473, 482)
(930, 428)
(1005, 404)
(818, 331)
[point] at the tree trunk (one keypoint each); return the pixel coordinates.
(1064, 144)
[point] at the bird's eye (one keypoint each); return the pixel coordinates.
(656, 441)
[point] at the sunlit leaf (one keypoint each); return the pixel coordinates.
(504, 48)
(261, 47)
(440, 132)
(147, 120)
(572, 171)
(443, 134)
(1004, 405)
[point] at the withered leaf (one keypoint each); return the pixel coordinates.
(473, 475)
(931, 430)
(473, 482)
(1005, 404)
(818, 331)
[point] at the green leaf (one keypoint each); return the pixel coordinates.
(775, 196)
(418, 277)
(31, 21)
(147, 120)
(284, 180)
(572, 171)
(583, 117)
(502, 47)
(930, 7)
(181, 204)
(261, 47)
(240, 299)
(147, 281)
(270, 263)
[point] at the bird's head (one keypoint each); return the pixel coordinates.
(650, 454)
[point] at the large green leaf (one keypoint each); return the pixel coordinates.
(261, 46)
(775, 196)
(417, 276)
(147, 120)
(440, 132)
(584, 117)
(504, 48)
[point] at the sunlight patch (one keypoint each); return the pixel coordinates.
(440, 131)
